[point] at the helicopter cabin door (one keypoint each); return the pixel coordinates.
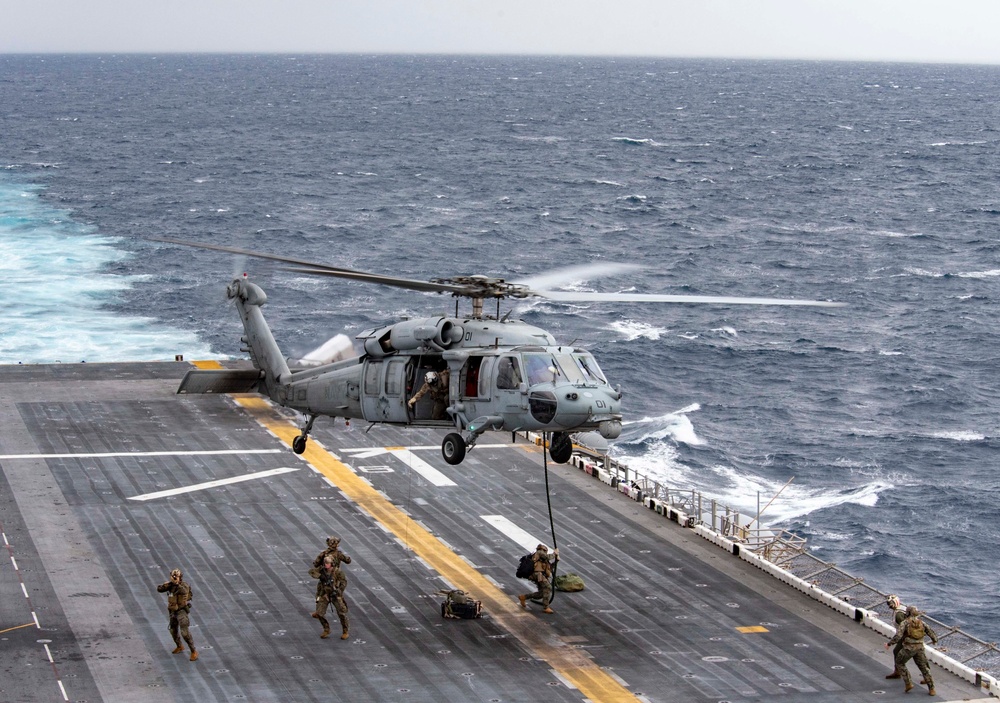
(510, 396)
(384, 397)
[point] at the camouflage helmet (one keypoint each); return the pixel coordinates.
(332, 541)
(912, 610)
(176, 573)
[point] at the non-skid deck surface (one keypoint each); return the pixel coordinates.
(109, 480)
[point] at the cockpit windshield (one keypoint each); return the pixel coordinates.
(570, 369)
(589, 368)
(540, 368)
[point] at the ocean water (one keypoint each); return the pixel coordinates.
(870, 184)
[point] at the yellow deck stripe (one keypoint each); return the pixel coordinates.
(528, 628)
(11, 629)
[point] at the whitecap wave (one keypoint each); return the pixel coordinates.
(632, 330)
(674, 425)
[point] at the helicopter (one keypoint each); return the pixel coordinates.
(502, 374)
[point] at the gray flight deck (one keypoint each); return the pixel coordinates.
(101, 494)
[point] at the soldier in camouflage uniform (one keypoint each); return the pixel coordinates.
(911, 632)
(898, 615)
(542, 576)
(178, 606)
(333, 550)
(326, 593)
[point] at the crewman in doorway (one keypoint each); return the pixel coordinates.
(435, 383)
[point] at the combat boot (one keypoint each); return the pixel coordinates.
(345, 635)
(893, 675)
(931, 691)
(178, 649)
(524, 601)
(194, 655)
(909, 687)
(548, 610)
(326, 633)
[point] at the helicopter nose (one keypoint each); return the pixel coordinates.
(582, 406)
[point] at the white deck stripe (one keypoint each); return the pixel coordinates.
(435, 477)
(212, 484)
(523, 538)
(103, 455)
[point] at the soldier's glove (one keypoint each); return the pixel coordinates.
(411, 403)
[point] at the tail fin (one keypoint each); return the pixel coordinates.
(260, 342)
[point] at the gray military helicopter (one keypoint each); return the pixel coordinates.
(503, 374)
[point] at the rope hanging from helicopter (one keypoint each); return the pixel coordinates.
(546, 438)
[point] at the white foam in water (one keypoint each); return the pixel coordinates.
(54, 292)
(660, 462)
(632, 330)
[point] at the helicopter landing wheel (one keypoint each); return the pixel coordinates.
(299, 444)
(453, 448)
(560, 447)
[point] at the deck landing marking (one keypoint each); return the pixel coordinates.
(523, 538)
(433, 476)
(212, 484)
(105, 455)
(593, 681)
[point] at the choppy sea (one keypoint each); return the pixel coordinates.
(870, 184)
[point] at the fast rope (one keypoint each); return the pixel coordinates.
(546, 437)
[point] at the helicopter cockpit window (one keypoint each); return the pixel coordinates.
(569, 368)
(588, 366)
(541, 368)
(508, 373)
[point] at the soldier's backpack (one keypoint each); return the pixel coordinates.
(915, 629)
(569, 582)
(526, 567)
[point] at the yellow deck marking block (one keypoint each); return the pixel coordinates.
(207, 364)
(528, 628)
(752, 628)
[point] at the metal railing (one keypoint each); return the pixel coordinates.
(787, 551)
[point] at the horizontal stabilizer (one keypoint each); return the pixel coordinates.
(220, 381)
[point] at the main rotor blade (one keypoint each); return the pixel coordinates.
(411, 284)
(566, 296)
(573, 274)
(312, 267)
